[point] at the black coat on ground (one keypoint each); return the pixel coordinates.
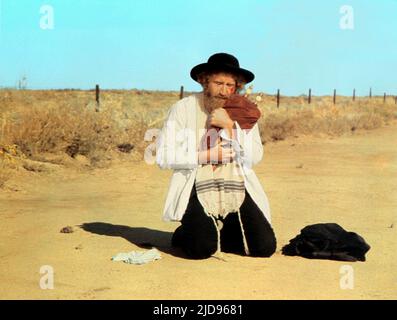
(327, 241)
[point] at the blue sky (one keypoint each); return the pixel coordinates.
(152, 44)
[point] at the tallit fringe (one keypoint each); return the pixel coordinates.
(247, 252)
(218, 254)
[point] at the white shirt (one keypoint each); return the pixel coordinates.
(177, 149)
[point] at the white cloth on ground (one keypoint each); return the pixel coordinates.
(138, 257)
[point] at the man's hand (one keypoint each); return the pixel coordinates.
(220, 118)
(217, 154)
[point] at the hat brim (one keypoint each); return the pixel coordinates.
(247, 75)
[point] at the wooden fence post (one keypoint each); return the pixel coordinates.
(395, 99)
(310, 96)
(384, 97)
(334, 96)
(278, 98)
(181, 93)
(354, 94)
(370, 93)
(97, 92)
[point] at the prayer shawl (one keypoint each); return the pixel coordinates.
(220, 187)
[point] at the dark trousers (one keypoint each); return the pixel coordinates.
(198, 237)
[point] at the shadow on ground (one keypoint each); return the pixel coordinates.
(139, 236)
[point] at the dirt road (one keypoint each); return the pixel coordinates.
(349, 180)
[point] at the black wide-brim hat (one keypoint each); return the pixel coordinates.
(222, 62)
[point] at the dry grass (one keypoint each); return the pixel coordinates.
(8, 163)
(295, 117)
(65, 122)
(62, 126)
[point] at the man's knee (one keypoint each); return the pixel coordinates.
(265, 249)
(201, 249)
(262, 243)
(199, 242)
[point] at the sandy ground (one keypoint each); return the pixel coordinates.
(349, 180)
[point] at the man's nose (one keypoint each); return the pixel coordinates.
(224, 90)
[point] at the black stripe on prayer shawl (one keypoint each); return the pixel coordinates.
(208, 182)
(220, 188)
(223, 185)
(220, 182)
(226, 191)
(203, 185)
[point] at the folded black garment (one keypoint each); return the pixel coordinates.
(327, 241)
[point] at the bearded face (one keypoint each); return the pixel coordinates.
(213, 102)
(219, 88)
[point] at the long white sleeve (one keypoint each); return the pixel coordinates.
(176, 145)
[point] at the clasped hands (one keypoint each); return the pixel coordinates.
(220, 152)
